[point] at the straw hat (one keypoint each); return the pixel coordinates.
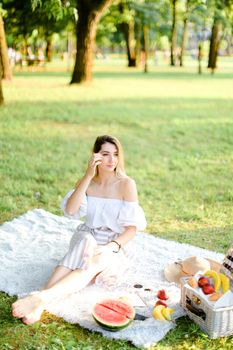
(189, 267)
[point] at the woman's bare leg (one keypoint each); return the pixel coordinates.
(31, 307)
(58, 273)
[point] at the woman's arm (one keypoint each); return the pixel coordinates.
(124, 238)
(129, 193)
(74, 202)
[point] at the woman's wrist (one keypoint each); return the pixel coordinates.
(115, 246)
(87, 177)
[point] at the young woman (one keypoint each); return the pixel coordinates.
(107, 198)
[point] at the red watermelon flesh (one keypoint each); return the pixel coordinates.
(119, 307)
(107, 316)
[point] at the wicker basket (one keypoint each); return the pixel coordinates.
(216, 322)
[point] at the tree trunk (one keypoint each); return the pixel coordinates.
(146, 45)
(214, 45)
(49, 49)
(174, 33)
(89, 14)
(5, 72)
(4, 59)
(229, 44)
(1, 92)
(137, 42)
(185, 33)
(128, 32)
(200, 56)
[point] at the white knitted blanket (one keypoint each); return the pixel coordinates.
(32, 244)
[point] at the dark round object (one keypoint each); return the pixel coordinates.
(138, 286)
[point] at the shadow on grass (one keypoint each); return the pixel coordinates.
(134, 73)
(124, 110)
(169, 120)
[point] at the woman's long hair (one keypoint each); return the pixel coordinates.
(120, 168)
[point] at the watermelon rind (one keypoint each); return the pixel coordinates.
(111, 328)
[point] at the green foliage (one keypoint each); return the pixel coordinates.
(22, 21)
(154, 14)
(56, 9)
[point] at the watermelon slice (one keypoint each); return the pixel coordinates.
(113, 315)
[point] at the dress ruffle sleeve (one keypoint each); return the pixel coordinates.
(82, 210)
(131, 214)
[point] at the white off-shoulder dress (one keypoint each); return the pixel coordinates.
(105, 220)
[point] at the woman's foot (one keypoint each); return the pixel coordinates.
(29, 306)
(33, 317)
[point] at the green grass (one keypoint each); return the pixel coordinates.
(176, 128)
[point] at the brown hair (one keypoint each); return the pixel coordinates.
(120, 168)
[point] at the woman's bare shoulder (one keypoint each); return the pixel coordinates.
(129, 189)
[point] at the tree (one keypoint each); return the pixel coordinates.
(4, 61)
(22, 19)
(144, 18)
(173, 32)
(127, 27)
(220, 20)
(185, 33)
(89, 14)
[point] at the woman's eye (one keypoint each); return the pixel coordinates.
(106, 154)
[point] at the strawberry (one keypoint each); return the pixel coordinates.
(162, 294)
(160, 302)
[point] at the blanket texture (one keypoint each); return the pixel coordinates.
(32, 244)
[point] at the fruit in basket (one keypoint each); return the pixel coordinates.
(160, 302)
(215, 296)
(225, 282)
(192, 282)
(208, 289)
(202, 281)
(157, 313)
(217, 280)
(162, 294)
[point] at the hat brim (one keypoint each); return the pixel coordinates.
(173, 272)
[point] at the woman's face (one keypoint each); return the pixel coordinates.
(109, 153)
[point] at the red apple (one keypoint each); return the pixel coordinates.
(162, 294)
(203, 281)
(160, 302)
(208, 289)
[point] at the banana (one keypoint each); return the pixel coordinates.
(216, 277)
(225, 282)
(157, 313)
(167, 311)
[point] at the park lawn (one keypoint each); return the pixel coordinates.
(176, 128)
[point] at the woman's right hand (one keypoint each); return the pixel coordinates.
(94, 161)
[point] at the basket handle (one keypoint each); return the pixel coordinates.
(194, 310)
